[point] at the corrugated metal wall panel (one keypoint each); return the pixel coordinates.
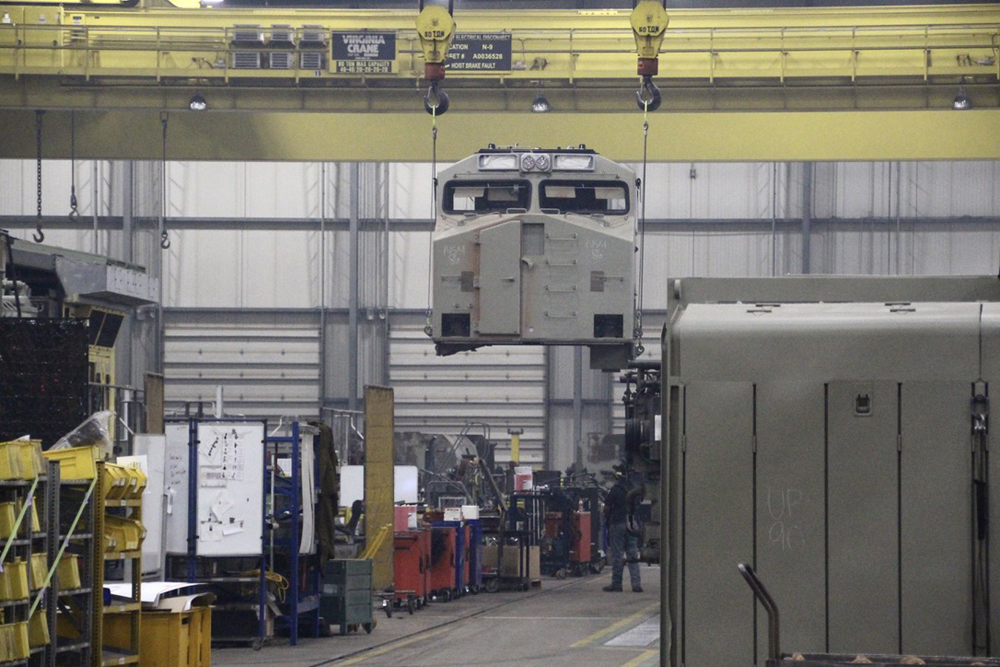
(503, 386)
(243, 189)
(264, 371)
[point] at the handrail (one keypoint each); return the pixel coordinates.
(760, 592)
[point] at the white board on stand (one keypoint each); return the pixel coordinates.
(230, 519)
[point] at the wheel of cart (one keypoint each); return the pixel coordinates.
(491, 585)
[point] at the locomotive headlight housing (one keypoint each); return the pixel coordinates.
(498, 162)
(573, 163)
(527, 162)
(543, 162)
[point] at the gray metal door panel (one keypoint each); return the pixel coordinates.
(500, 279)
(791, 545)
(936, 518)
(862, 471)
(718, 523)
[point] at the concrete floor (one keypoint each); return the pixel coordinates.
(571, 623)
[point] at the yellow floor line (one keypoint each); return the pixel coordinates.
(641, 659)
(395, 645)
(639, 615)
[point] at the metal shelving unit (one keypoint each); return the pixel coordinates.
(74, 606)
(19, 547)
(285, 493)
(130, 509)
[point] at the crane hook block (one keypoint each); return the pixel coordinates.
(435, 28)
(649, 24)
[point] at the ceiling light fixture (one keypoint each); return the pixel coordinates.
(198, 103)
(541, 105)
(962, 100)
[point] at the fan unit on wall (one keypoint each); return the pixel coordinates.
(311, 60)
(246, 60)
(248, 35)
(313, 36)
(281, 60)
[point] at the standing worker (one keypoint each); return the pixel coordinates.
(623, 541)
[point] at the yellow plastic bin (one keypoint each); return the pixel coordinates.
(124, 534)
(137, 483)
(68, 573)
(8, 514)
(76, 462)
(39, 568)
(168, 639)
(38, 629)
(32, 462)
(15, 580)
(116, 481)
(10, 460)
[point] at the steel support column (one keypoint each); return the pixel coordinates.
(577, 401)
(807, 207)
(352, 346)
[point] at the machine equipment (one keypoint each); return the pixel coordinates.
(536, 246)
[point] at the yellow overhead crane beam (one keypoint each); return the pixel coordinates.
(823, 83)
(567, 46)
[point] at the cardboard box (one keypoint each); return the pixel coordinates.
(532, 558)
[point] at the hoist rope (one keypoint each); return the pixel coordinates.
(637, 334)
(428, 327)
(164, 237)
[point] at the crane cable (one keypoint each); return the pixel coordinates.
(164, 237)
(73, 212)
(637, 334)
(428, 326)
(38, 236)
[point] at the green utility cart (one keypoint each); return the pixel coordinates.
(346, 597)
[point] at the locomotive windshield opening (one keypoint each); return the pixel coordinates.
(606, 197)
(485, 196)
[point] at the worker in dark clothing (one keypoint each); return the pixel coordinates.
(623, 541)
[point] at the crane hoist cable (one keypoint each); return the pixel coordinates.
(164, 237)
(649, 25)
(73, 212)
(435, 29)
(38, 236)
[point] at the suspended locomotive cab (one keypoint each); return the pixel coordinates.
(535, 247)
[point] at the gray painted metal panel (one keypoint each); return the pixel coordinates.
(718, 523)
(791, 502)
(922, 341)
(863, 509)
(500, 279)
(936, 518)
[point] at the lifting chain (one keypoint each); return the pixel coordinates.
(73, 212)
(164, 237)
(38, 236)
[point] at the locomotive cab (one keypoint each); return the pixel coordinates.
(536, 247)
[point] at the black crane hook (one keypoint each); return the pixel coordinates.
(648, 96)
(436, 100)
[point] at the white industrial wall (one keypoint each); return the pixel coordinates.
(711, 220)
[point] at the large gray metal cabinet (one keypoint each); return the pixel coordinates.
(822, 429)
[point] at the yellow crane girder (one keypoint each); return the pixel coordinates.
(921, 43)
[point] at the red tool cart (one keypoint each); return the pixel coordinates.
(410, 565)
(443, 555)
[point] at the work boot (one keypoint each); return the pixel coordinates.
(637, 589)
(612, 589)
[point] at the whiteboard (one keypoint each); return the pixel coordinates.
(150, 458)
(175, 487)
(230, 513)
